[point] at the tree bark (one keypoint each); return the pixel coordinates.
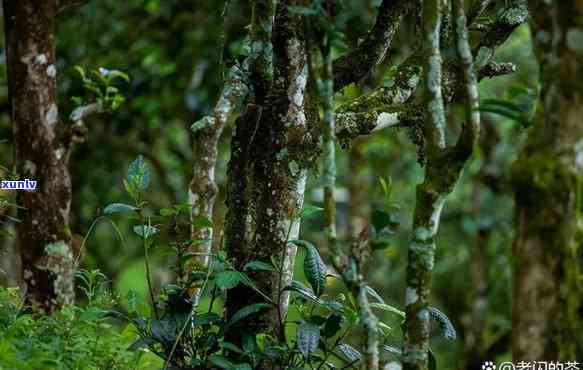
(442, 170)
(547, 178)
(43, 232)
(275, 175)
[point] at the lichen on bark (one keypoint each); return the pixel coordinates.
(39, 146)
(547, 178)
(442, 170)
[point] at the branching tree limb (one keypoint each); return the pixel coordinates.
(364, 114)
(352, 67)
(443, 169)
(509, 19)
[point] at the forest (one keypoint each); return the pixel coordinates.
(291, 184)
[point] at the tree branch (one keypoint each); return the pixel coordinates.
(509, 19)
(471, 129)
(65, 5)
(478, 7)
(406, 78)
(429, 199)
(352, 67)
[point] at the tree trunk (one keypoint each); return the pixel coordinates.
(267, 175)
(547, 178)
(43, 232)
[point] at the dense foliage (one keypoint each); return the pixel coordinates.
(148, 92)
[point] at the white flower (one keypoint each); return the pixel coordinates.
(104, 72)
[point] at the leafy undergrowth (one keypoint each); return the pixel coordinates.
(73, 338)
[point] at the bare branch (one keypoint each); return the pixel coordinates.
(352, 67)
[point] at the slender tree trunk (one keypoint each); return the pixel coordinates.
(43, 232)
(442, 170)
(548, 178)
(271, 175)
(357, 189)
(203, 188)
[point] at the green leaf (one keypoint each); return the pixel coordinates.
(207, 318)
(246, 311)
(315, 269)
(258, 266)
(349, 352)
(221, 362)
(143, 342)
(243, 366)
(332, 325)
(165, 212)
(139, 173)
(388, 308)
(146, 231)
(393, 350)
(309, 210)
(385, 329)
(522, 119)
(118, 74)
(228, 279)
(445, 325)
(81, 71)
(373, 293)
(380, 219)
(303, 290)
(302, 10)
(92, 314)
(308, 336)
(132, 300)
(201, 221)
(118, 208)
(232, 347)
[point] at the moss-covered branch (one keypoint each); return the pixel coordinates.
(360, 116)
(514, 15)
(443, 168)
(352, 67)
(471, 129)
(429, 202)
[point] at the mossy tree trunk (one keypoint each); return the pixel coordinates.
(547, 178)
(268, 170)
(442, 170)
(43, 231)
